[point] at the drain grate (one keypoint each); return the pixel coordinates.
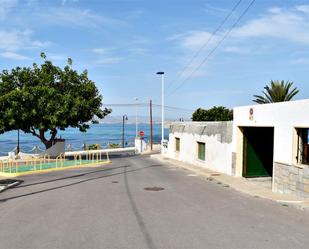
(153, 188)
(115, 182)
(215, 174)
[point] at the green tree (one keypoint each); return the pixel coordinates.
(44, 99)
(276, 92)
(216, 113)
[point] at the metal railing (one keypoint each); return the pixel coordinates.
(35, 164)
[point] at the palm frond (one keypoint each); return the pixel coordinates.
(276, 91)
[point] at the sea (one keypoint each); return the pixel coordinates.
(102, 134)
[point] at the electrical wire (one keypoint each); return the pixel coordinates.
(214, 49)
(205, 44)
(146, 105)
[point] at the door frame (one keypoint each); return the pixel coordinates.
(244, 148)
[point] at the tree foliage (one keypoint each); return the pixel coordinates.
(277, 92)
(217, 113)
(44, 99)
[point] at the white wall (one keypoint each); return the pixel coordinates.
(57, 149)
(218, 155)
(284, 117)
(140, 145)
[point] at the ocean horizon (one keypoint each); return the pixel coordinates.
(102, 134)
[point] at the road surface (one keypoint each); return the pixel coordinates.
(108, 207)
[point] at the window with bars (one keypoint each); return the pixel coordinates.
(201, 151)
(177, 144)
(302, 146)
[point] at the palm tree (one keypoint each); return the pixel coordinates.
(276, 92)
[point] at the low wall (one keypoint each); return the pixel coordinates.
(289, 179)
(217, 137)
(57, 149)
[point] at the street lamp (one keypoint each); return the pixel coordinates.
(124, 117)
(18, 147)
(136, 128)
(162, 108)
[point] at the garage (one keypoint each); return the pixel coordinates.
(258, 150)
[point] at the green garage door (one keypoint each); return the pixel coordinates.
(258, 151)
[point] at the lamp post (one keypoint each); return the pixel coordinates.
(124, 117)
(17, 148)
(162, 108)
(136, 126)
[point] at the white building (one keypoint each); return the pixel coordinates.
(206, 144)
(270, 140)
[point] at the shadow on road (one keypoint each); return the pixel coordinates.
(75, 183)
(70, 177)
(137, 214)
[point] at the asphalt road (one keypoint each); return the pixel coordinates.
(108, 207)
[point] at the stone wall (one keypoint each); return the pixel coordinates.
(290, 179)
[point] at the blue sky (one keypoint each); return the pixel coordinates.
(123, 43)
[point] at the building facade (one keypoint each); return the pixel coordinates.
(269, 140)
(272, 140)
(205, 144)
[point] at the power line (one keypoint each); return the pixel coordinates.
(174, 108)
(215, 48)
(205, 44)
(126, 105)
(146, 105)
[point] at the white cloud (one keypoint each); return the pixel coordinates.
(63, 2)
(13, 41)
(216, 11)
(300, 61)
(109, 60)
(274, 10)
(303, 8)
(100, 50)
(13, 56)
(6, 6)
(76, 17)
(139, 51)
(285, 24)
(194, 40)
(237, 50)
(16, 40)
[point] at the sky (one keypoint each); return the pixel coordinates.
(123, 43)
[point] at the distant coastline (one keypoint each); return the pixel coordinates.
(97, 134)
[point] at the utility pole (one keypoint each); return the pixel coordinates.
(150, 106)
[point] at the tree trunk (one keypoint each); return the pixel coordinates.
(41, 136)
(47, 143)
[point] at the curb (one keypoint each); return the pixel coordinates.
(238, 184)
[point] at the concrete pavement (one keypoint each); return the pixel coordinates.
(238, 183)
(108, 207)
